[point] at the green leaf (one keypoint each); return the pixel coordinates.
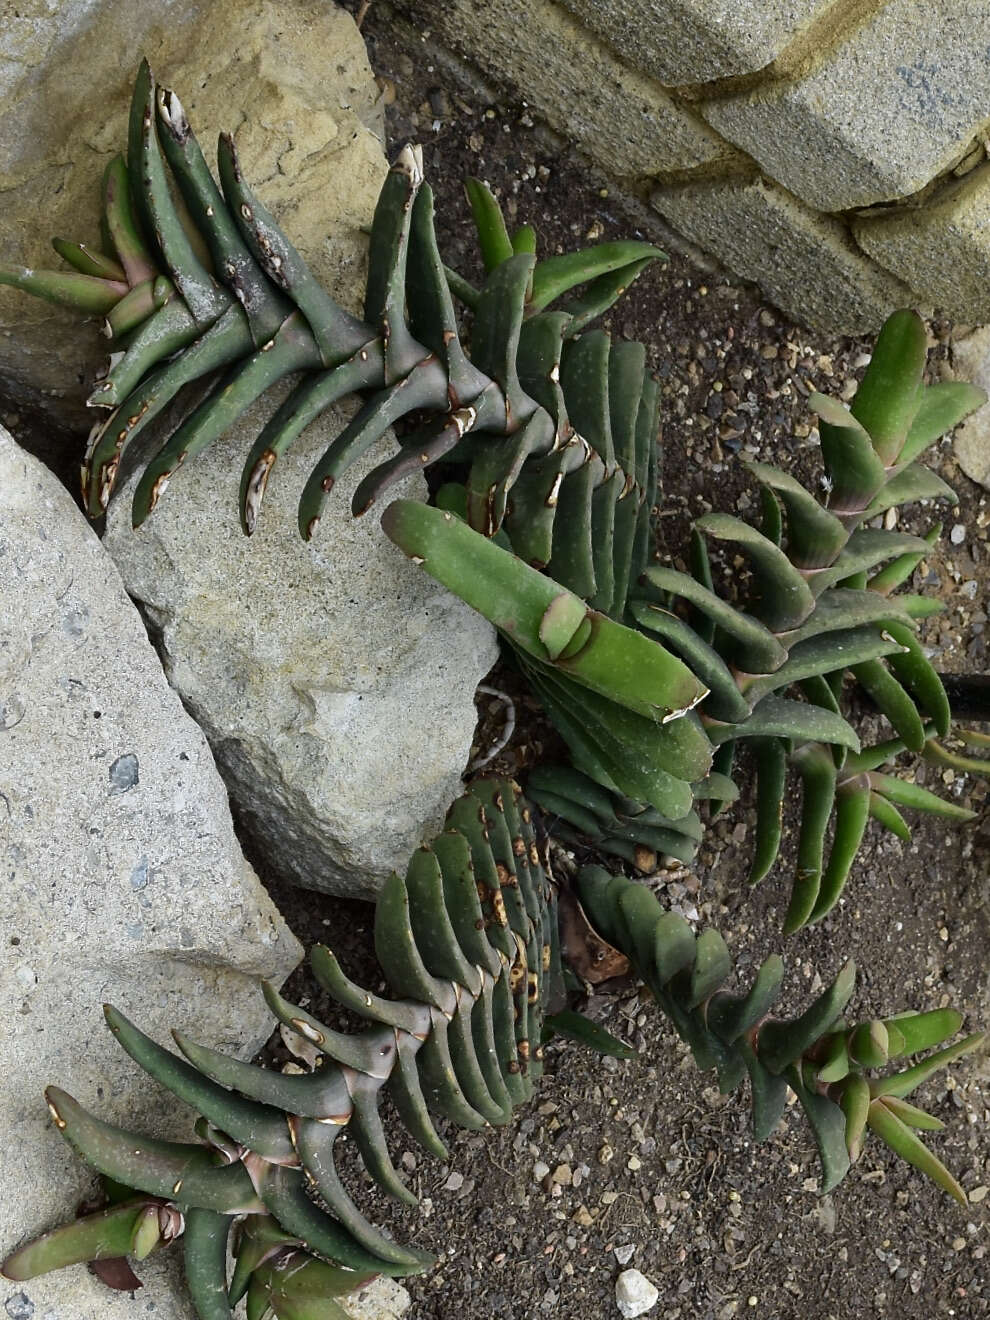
(785, 599)
(922, 1031)
(782, 1043)
(854, 1101)
(80, 293)
(828, 1125)
(817, 770)
(556, 275)
(493, 237)
(814, 536)
(577, 1027)
(902, 1141)
(942, 406)
(851, 816)
(780, 718)
(854, 471)
(100, 1236)
(906, 794)
(902, 1084)
(771, 778)
(889, 394)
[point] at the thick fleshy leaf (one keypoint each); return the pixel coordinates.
(889, 394)
(785, 600)
(493, 237)
(902, 1141)
(99, 1236)
(771, 778)
(780, 718)
(782, 1043)
(902, 1084)
(817, 770)
(942, 406)
(577, 1027)
(906, 794)
(828, 1125)
(557, 275)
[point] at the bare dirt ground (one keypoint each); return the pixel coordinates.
(645, 1163)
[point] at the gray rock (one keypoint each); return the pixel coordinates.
(289, 78)
(634, 1294)
(692, 41)
(971, 361)
(806, 263)
(942, 249)
(334, 679)
(895, 104)
(123, 881)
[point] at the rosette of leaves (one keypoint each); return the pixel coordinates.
(820, 602)
(198, 278)
(468, 942)
(830, 1065)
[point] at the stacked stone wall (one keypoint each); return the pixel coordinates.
(833, 151)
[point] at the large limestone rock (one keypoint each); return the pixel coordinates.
(971, 360)
(289, 78)
(122, 879)
(334, 679)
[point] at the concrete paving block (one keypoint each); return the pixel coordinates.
(692, 41)
(574, 82)
(805, 263)
(892, 106)
(942, 248)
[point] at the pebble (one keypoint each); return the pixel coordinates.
(624, 1254)
(454, 1183)
(634, 1294)
(958, 534)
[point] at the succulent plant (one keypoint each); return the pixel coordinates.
(469, 942)
(196, 279)
(820, 602)
(823, 1059)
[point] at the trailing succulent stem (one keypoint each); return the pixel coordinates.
(825, 1061)
(469, 942)
(820, 603)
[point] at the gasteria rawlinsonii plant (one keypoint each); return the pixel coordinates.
(556, 427)
(469, 942)
(649, 675)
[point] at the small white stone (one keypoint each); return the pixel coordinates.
(958, 534)
(625, 1253)
(634, 1294)
(454, 1183)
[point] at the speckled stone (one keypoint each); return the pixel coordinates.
(334, 679)
(894, 104)
(122, 879)
(942, 248)
(806, 263)
(692, 41)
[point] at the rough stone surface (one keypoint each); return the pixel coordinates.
(619, 117)
(334, 679)
(290, 79)
(893, 105)
(123, 881)
(805, 263)
(691, 41)
(942, 248)
(971, 361)
(634, 1294)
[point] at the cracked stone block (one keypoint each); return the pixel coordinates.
(289, 78)
(692, 41)
(895, 103)
(619, 117)
(805, 263)
(122, 880)
(941, 248)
